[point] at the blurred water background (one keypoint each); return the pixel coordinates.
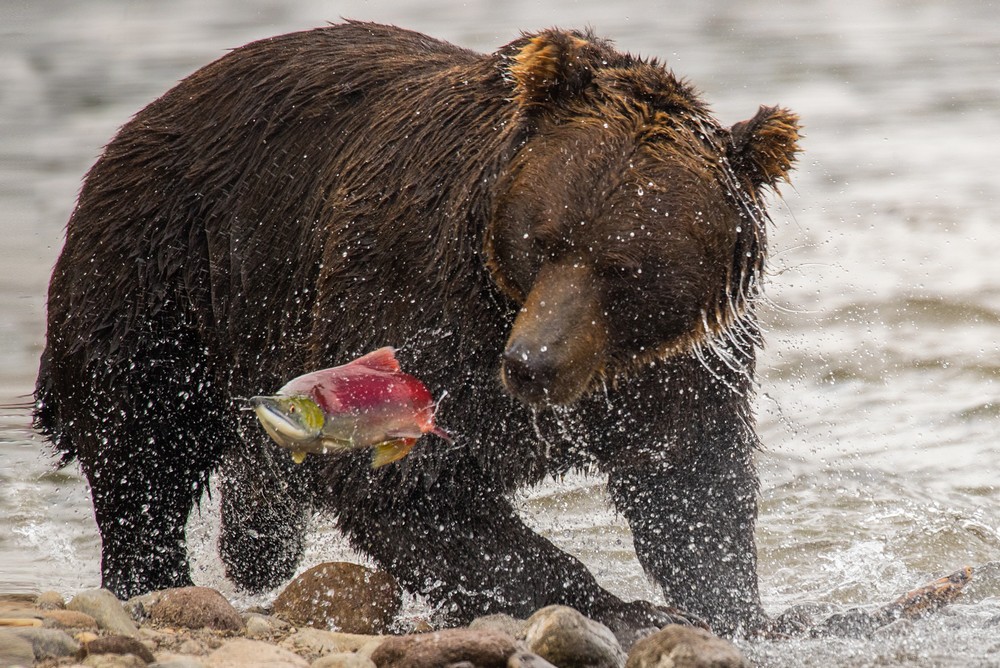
(880, 396)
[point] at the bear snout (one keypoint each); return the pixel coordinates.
(527, 373)
(558, 342)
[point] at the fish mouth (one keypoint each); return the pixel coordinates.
(284, 430)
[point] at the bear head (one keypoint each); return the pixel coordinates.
(628, 225)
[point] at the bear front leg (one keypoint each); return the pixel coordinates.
(141, 507)
(266, 504)
(463, 545)
(681, 470)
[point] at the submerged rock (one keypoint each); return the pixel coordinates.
(341, 595)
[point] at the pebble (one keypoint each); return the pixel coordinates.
(315, 641)
(341, 595)
(525, 659)
(177, 661)
(343, 660)
(50, 600)
(564, 637)
(685, 647)
(69, 619)
(483, 648)
(194, 608)
(15, 650)
(501, 622)
(114, 661)
(118, 645)
(257, 627)
(48, 643)
(107, 610)
(245, 653)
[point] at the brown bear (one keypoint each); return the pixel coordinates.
(558, 234)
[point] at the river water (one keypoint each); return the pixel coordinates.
(880, 388)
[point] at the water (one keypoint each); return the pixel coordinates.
(880, 401)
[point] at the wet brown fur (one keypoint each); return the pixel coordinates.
(314, 196)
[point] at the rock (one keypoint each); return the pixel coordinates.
(194, 608)
(484, 649)
(22, 620)
(118, 645)
(177, 661)
(48, 643)
(243, 653)
(315, 641)
(257, 627)
(342, 660)
(69, 619)
(524, 659)
(50, 600)
(679, 646)
(341, 595)
(501, 622)
(15, 650)
(562, 636)
(114, 661)
(107, 610)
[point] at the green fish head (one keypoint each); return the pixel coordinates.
(290, 421)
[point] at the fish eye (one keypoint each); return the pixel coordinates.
(291, 408)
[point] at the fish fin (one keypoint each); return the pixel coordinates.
(442, 434)
(383, 359)
(299, 456)
(390, 451)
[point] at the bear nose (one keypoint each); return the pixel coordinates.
(528, 372)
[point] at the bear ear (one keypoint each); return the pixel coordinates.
(764, 147)
(550, 66)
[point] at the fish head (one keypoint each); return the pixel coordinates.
(290, 420)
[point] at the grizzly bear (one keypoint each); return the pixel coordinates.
(558, 235)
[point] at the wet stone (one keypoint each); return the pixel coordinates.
(114, 661)
(525, 659)
(106, 610)
(483, 648)
(118, 645)
(318, 642)
(564, 637)
(501, 622)
(50, 600)
(48, 643)
(343, 660)
(685, 647)
(69, 619)
(178, 661)
(244, 653)
(194, 608)
(341, 595)
(15, 650)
